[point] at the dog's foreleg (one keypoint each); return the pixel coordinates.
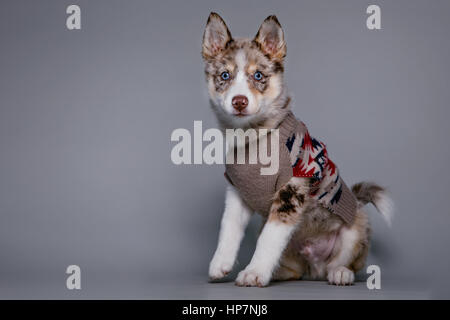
(285, 214)
(234, 221)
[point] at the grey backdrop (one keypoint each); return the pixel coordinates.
(85, 124)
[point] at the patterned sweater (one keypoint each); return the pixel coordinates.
(300, 155)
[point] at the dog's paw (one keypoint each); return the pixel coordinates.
(252, 277)
(341, 276)
(219, 268)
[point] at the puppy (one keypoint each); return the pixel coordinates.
(314, 225)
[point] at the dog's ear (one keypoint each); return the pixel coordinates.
(270, 38)
(216, 36)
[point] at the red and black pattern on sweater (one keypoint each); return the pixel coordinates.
(309, 159)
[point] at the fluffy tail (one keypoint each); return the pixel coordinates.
(366, 192)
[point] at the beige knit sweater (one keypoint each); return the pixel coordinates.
(300, 155)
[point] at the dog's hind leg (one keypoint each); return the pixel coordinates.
(351, 253)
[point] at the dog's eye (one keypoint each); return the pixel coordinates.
(257, 76)
(225, 75)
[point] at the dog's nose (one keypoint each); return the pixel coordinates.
(239, 102)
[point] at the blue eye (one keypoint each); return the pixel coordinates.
(225, 75)
(258, 76)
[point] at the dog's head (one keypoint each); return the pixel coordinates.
(245, 77)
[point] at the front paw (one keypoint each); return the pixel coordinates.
(341, 276)
(219, 268)
(252, 277)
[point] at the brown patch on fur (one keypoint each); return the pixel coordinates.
(286, 205)
(278, 67)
